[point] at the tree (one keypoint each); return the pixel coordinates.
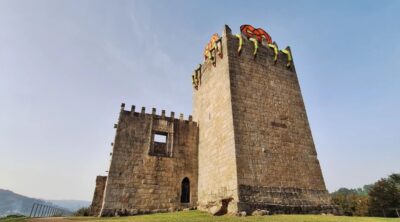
(385, 196)
(84, 211)
(352, 202)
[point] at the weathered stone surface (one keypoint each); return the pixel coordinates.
(241, 214)
(145, 180)
(259, 212)
(220, 207)
(212, 109)
(214, 210)
(97, 201)
(255, 142)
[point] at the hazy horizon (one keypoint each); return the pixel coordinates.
(66, 66)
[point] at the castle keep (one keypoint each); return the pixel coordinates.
(248, 145)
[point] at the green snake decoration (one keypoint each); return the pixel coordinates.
(256, 36)
(289, 56)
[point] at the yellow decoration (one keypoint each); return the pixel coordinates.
(255, 45)
(289, 56)
(275, 48)
(239, 36)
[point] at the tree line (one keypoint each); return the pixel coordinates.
(380, 199)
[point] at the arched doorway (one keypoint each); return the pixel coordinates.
(185, 190)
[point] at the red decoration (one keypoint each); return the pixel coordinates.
(251, 32)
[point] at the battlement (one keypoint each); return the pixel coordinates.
(154, 114)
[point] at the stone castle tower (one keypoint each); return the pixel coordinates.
(248, 146)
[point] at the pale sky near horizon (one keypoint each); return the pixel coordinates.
(66, 66)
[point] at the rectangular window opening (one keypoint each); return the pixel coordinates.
(159, 145)
(160, 138)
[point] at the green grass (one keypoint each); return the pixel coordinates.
(13, 218)
(198, 216)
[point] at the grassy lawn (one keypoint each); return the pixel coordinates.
(198, 216)
(12, 219)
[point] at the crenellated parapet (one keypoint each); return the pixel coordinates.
(153, 113)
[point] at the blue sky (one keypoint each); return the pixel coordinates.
(65, 67)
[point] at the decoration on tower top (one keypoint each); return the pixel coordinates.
(258, 34)
(196, 78)
(213, 48)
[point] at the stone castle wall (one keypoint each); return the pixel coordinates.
(258, 104)
(277, 162)
(145, 175)
(97, 201)
(211, 109)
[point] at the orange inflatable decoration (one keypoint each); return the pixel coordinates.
(251, 32)
(210, 46)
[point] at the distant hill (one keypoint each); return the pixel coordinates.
(13, 203)
(72, 205)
